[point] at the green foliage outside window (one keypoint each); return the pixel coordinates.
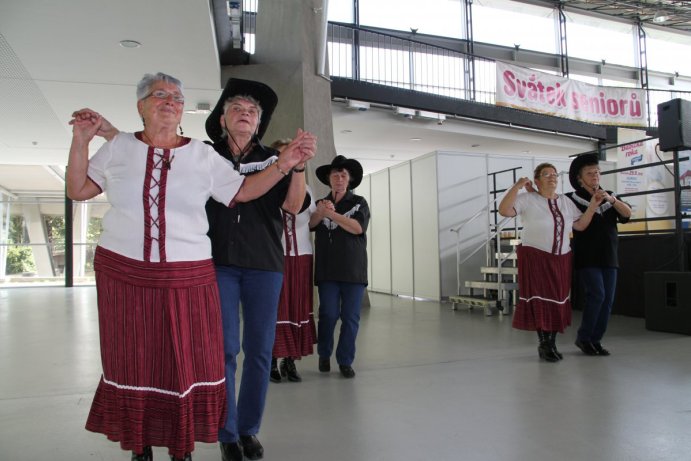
(20, 259)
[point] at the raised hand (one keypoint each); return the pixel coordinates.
(104, 128)
(525, 182)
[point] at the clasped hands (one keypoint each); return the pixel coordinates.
(325, 207)
(301, 149)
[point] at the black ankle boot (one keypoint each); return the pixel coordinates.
(288, 370)
(545, 349)
(553, 344)
(147, 455)
(275, 376)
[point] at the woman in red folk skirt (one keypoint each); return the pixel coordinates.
(163, 381)
(544, 256)
(295, 330)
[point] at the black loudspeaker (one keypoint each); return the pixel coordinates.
(668, 301)
(674, 124)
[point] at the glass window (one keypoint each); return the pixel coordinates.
(596, 39)
(414, 14)
(341, 11)
(666, 52)
(506, 23)
(340, 59)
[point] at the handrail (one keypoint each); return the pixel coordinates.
(493, 234)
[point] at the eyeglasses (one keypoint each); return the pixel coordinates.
(549, 175)
(239, 109)
(161, 94)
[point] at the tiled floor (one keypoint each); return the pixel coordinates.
(432, 384)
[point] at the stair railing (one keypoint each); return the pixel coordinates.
(495, 229)
(484, 243)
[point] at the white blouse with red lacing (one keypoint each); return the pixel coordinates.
(157, 197)
(547, 223)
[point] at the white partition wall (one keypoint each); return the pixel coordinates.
(425, 227)
(380, 231)
(364, 190)
(402, 281)
(462, 187)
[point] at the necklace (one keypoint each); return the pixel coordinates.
(148, 140)
(166, 161)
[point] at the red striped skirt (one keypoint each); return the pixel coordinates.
(161, 338)
(544, 286)
(295, 330)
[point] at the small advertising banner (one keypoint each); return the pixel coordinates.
(647, 179)
(527, 89)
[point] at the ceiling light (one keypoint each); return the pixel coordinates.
(475, 145)
(130, 44)
(416, 139)
(203, 108)
(346, 131)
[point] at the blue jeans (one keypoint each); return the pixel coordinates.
(597, 286)
(258, 291)
(339, 300)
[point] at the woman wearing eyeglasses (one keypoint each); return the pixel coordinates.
(544, 256)
(163, 380)
(248, 254)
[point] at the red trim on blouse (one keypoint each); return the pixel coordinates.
(161, 163)
(289, 233)
(558, 231)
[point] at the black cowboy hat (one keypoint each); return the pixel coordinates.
(238, 87)
(341, 163)
(578, 163)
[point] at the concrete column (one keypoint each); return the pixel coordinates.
(38, 239)
(286, 58)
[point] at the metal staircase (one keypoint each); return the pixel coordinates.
(497, 290)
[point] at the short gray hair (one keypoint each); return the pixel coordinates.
(241, 97)
(148, 80)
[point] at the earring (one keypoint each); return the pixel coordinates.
(181, 132)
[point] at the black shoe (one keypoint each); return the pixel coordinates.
(288, 370)
(586, 347)
(187, 457)
(347, 371)
(231, 451)
(600, 350)
(148, 455)
(274, 375)
(251, 447)
(324, 365)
